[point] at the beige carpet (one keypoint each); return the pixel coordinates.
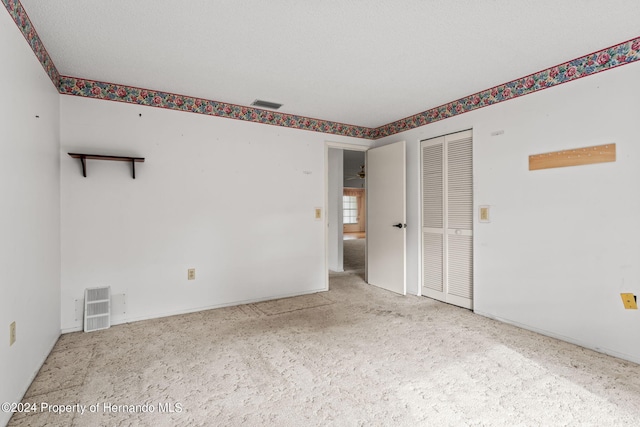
(353, 356)
(353, 256)
(287, 305)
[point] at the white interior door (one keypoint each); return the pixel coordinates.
(386, 217)
(447, 219)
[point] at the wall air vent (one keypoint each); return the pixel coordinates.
(266, 104)
(97, 308)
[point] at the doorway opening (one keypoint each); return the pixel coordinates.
(354, 212)
(347, 211)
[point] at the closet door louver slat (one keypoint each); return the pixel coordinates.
(433, 261)
(433, 194)
(460, 255)
(460, 185)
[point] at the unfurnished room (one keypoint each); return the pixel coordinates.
(336, 213)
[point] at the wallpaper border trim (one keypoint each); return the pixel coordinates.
(584, 66)
(23, 22)
(605, 59)
(153, 98)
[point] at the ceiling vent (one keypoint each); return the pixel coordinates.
(266, 104)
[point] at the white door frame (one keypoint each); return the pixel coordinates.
(342, 146)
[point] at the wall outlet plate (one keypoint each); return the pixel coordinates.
(191, 274)
(318, 214)
(629, 301)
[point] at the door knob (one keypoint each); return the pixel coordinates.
(400, 225)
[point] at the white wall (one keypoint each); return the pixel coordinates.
(334, 210)
(30, 214)
(234, 200)
(562, 243)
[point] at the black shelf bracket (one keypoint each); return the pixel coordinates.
(83, 159)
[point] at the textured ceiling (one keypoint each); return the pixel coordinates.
(366, 63)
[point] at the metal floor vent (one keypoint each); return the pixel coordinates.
(97, 308)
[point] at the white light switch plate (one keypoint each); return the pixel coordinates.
(484, 213)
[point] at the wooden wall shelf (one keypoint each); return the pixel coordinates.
(573, 157)
(83, 159)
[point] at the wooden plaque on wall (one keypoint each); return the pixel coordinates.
(573, 157)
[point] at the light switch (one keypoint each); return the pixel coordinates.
(484, 214)
(12, 333)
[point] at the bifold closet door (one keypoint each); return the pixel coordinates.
(447, 218)
(433, 218)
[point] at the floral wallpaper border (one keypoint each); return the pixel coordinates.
(20, 17)
(152, 98)
(602, 60)
(605, 59)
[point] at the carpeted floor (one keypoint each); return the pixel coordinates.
(353, 356)
(353, 256)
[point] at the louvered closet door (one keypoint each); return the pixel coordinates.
(433, 218)
(447, 165)
(459, 208)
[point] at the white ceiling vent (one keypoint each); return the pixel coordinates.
(97, 308)
(266, 104)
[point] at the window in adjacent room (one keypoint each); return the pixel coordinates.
(350, 209)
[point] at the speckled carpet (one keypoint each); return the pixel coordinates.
(353, 356)
(353, 256)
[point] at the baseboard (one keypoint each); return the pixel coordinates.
(203, 308)
(629, 357)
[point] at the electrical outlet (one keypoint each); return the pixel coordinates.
(629, 301)
(191, 274)
(12, 333)
(318, 214)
